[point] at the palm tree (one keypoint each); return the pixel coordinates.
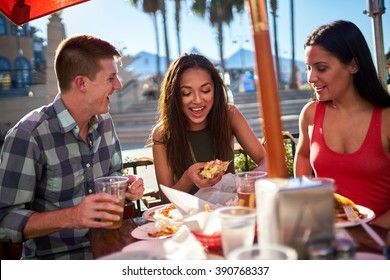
(220, 12)
(177, 19)
(151, 7)
(293, 77)
(166, 41)
(274, 7)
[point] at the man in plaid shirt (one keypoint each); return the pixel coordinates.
(51, 157)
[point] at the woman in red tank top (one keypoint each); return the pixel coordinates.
(344, 130)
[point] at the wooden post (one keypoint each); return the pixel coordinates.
(267, 91)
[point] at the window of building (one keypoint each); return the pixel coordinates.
(3, 26)
(5, 73)
(22, 72)
(22, 29)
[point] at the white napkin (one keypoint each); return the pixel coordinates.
(205, 222)
(226, 184)
(183, 246)
(186, 203)
(223, 193)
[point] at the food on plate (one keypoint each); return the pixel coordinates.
(164, 226)
(341, 201)
(167, 211)
(165, 232)
(214, 167)
(207, 208)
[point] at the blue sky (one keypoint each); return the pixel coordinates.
(128, 27)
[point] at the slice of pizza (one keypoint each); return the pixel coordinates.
(214, 167)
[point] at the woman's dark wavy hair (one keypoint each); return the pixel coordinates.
(172, 121)
(344, 40)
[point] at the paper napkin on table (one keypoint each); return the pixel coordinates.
(183, 246)
(226, 184)
(186, 203)
(224, 193)
(206, 223)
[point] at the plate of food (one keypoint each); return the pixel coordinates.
(167, 210)
(156, 230)
(341, 220)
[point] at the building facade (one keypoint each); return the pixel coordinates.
(22, 59)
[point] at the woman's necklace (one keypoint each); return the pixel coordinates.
(191, 151)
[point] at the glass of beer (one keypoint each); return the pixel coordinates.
(245, 182)
(116, 186)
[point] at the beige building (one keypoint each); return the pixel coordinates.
(27, 78)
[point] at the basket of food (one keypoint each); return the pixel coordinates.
(213, 241)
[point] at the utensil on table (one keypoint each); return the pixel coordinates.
(353, 217)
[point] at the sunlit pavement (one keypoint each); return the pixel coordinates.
(147, 173)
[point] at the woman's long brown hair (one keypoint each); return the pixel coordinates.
(172, 121)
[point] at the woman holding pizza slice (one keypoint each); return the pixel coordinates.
(197, 125)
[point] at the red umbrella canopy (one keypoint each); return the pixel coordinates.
(22, 11)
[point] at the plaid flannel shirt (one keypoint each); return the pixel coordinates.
(45, 165)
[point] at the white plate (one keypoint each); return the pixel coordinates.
(370, 215)
(174, 212)
(141, 232)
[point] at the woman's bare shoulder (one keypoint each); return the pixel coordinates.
(311, 105)
(309, 109)
(157, 136)
(232, 108)
(386, 117)
(386, 113)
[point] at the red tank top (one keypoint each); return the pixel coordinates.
(363, 176)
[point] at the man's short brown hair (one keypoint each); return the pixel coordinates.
(81, 55)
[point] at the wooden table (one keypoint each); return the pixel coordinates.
(105, 242)
(108, 241)
(364, 242)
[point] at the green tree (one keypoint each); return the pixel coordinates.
(220, 12)
(274, 7)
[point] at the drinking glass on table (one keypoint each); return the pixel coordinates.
(245, 182)
(116, 186)
(270, 252)
(237, 227)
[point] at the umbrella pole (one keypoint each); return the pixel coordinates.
(375, 9)
(267, 91)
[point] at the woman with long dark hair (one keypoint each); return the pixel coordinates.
(345, 131)
(196, 125)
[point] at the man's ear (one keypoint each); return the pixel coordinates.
(354, 66)
(80, 83)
